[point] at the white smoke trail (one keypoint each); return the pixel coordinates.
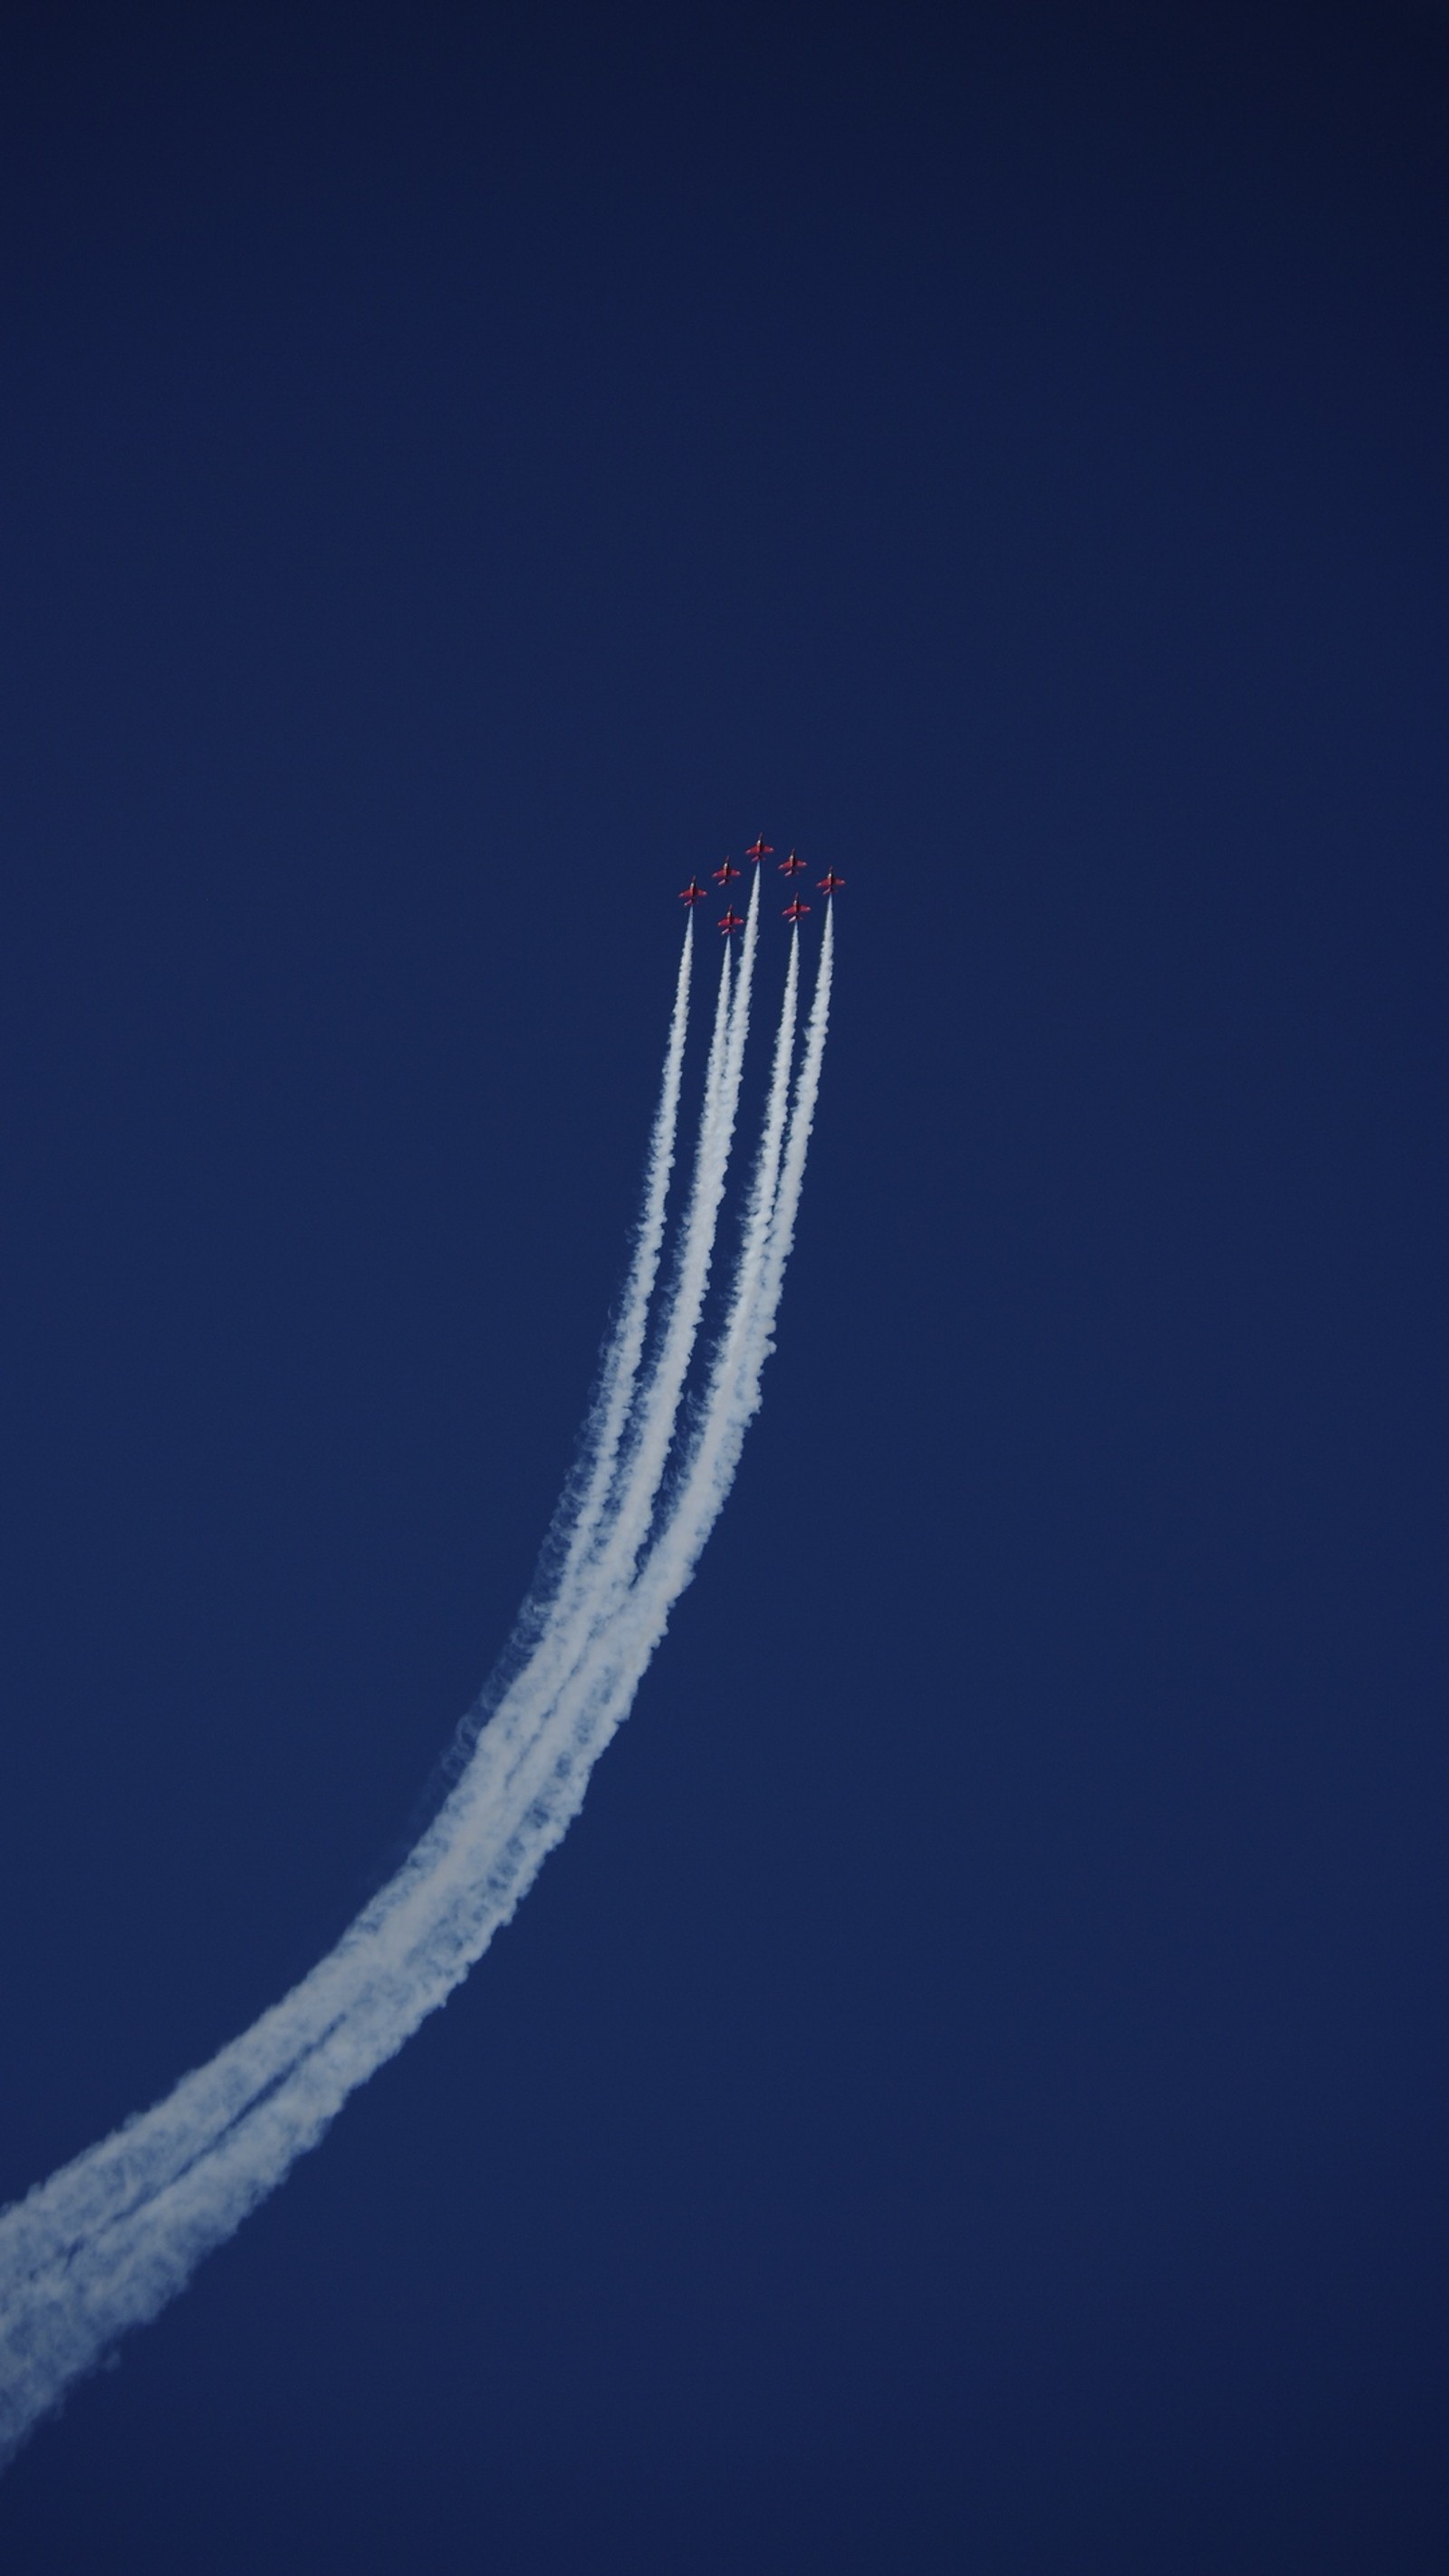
(593, 1703)
(645, 1448)
(792, 1177)
(510, 1739)
(589, 1488)
(106, 2242)
(641, 1619)
(659, 1402)
(151, 2149)
(412, 1913)
(555, 1625)
(605, 1560)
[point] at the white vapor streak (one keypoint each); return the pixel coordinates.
(625, 1350)
(735, 1379)
(106, 2241)
(659, 1404)
(151, 2150)
(420, 1926)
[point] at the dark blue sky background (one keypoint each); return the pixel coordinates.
(970, 2091)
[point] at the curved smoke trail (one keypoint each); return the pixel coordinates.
(156, 2146)
(699, 1494)
(586, 1495)
(108, 2240)
(411, 1929)
(554, 1624)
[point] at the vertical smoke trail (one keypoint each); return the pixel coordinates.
(792, 1176)
(591, 1697)
(747, 1342)
(594, 1702)
(507, 1743)
(512, 1754)
(658, 1398)
(735, 1390)
(604, 1430)
(105, 2243)
(513, 1718)
(759, 1215)
(659, 1402)
(547, 1634)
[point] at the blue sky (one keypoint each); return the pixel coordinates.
(969, 2089)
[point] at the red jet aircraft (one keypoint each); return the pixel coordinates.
(693, 892)
(723, 875)
(759, 850)
(792, 866)
(732, 920)
(797, 910)
(830, 883)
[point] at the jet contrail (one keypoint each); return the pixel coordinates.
(142, 2157)
(110, 2238)
(148, 2155)
(582, 1505)
(570, 1621)
(554, 1617)
(734, 1395)
(659, 1401)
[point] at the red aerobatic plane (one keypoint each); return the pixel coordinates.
(723, 875)
(759, 850)
(732, 920)
(830, 883)
(797, 910)
(792, 866)
(693, 892)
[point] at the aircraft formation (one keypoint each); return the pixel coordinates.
(758, 851)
